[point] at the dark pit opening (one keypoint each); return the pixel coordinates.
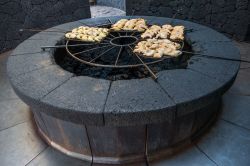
(65, 61)
(123, 40)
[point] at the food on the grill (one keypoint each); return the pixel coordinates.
(130, 24)
(167, 26)
(151, 32)
(138, 24)
(157, 48)
(177, 33)
(165, 32)
(119, 25)
(88, 34)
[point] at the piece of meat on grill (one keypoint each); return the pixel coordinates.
(167, 26)
(163, 34)
(119, 25)
(88, 34)
(157, 48)
(141, 25)
(137, 24)
(151, 32)
(177, 33)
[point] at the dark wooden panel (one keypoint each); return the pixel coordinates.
(117, 143)
(69, 135)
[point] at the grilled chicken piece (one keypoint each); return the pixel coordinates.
(167, 26)
(157, 48)
(163, 34)
(178, 33)
(88, 34)
(119, 24)
(130, 24)
(151, 32)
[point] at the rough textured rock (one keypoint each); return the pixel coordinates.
(137, 101)
(225, 16)
(39, 14)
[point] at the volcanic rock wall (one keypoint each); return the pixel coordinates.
(39, 14)
(231, 17)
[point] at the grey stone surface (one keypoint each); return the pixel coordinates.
(221, 15)
(13, 112)
(191, 156)
(51, 157)
(137, 101)
(220, 69)
(227, 145)
(39, 83)
(28, 63)
(34, 46)
(190, 90)
(206, 35)
(19, 145)
(236, 109)
(104, 11)
(95, 21)
(82, 96)
(39, 14)
(218, 49)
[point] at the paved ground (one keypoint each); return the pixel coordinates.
(105, 11)
(226, 144)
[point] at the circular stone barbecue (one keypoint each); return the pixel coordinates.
(129, 120)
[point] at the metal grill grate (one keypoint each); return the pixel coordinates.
(123, 40)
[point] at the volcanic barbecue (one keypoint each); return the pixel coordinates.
(100, 93)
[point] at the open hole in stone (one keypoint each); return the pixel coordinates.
(63, 59)
(123, 40)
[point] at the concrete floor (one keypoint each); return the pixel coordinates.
(227, 143)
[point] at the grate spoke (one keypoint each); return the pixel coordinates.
(73, 45)
(118, 56)
(111, 35)
(109, 45)
(101, 54)
(42, 30)
(145, 65)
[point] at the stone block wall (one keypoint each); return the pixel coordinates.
(120, 4)
(39, 14)
(231, 17)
